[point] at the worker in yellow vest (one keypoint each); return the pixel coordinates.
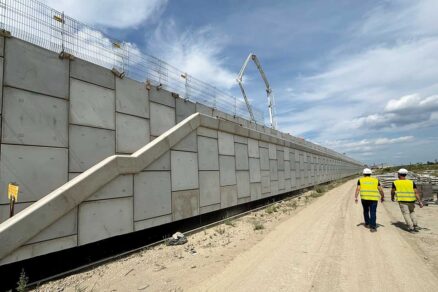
(370, 194)
(406, 193)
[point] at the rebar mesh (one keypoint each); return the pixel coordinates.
(43, 26)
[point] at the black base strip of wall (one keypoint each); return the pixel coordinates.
(69, 261)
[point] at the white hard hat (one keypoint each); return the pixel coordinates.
(367, 171)
(403, 171)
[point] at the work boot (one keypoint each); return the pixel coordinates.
(416, 228)
(367, 225)
(411, 230)
(373, 229)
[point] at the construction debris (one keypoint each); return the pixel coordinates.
(177, 239)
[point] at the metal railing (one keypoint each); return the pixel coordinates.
(41, 25)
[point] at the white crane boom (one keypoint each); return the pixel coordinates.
(271, 102)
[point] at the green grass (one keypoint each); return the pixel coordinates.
(271, 209)
(229, 222)
(258, 225)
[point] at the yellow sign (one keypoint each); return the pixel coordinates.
(13, 192)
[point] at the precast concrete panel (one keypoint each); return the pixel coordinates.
(240, 139)
(162, 118)
(37, 170)
(105, 218)
(65, 226)
(272, 151)
(152, 222)
(254, 170)
(228, 196)
(35, 69)
(1, 80)
(203, 109)
(253, 148)
(210, 208)
(185, 204)
(206, 132)
(243, 200)
(121, 186)
(226, 143)
(184, 167)
(264, 159)
(89, 146)
(288, 184)
(92, 105)
(184, 109)
(161, 96)
(2, 46)
(243, 184)
(189, 143)
(40, 248)
(152, 194)
(132, 133)
(287, 169)
(241, 156)
(281, 182)
(132, 97)
(209, 188)
(273, 167)
(227, 167)
(92, 73)
(266, 182)
(256, 191)
(162, 163)
(34, 119)
(280, 159)
(263, 144)
(286, 154)
(208, 153)
(18, 207)
(274, 187)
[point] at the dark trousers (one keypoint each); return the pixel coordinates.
(369, 212)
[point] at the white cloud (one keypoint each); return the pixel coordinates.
(111, 13)
(197, 52)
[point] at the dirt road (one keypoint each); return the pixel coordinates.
(323, 249)
(309, 243)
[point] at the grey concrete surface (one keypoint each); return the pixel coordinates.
(161, 96)
(228, 196)
(184, 109)
(105, 218)
(132, 97)
(34, 119)
(241, 156)
(256, 191)
(132, 133)
(243, 189)
(161, 163)
(65, 226)
(92, 105)
(152, 222)
(227, 166)
(92, 73)
(152, 194)
(184, 166)
(162, 118)
(209, 188)
(185, 204)
(253, 148)
(226, 143)
(264, 159)
(189, 143)
(24, 165)
(89, 146)
(35, 69)
(208, 153)
(254, 170)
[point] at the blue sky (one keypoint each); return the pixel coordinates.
(360, 77)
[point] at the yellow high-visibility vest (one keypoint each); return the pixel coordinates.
(404, 190)
(369, 188)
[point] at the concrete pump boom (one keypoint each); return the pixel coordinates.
(271, 102)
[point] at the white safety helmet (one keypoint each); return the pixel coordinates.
(402, 171)
(367, 171)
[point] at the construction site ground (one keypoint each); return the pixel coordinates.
(311, 243)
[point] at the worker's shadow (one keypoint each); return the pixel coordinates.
(403, 226)
(363, 224)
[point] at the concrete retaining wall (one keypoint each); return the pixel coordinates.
(59, 118)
